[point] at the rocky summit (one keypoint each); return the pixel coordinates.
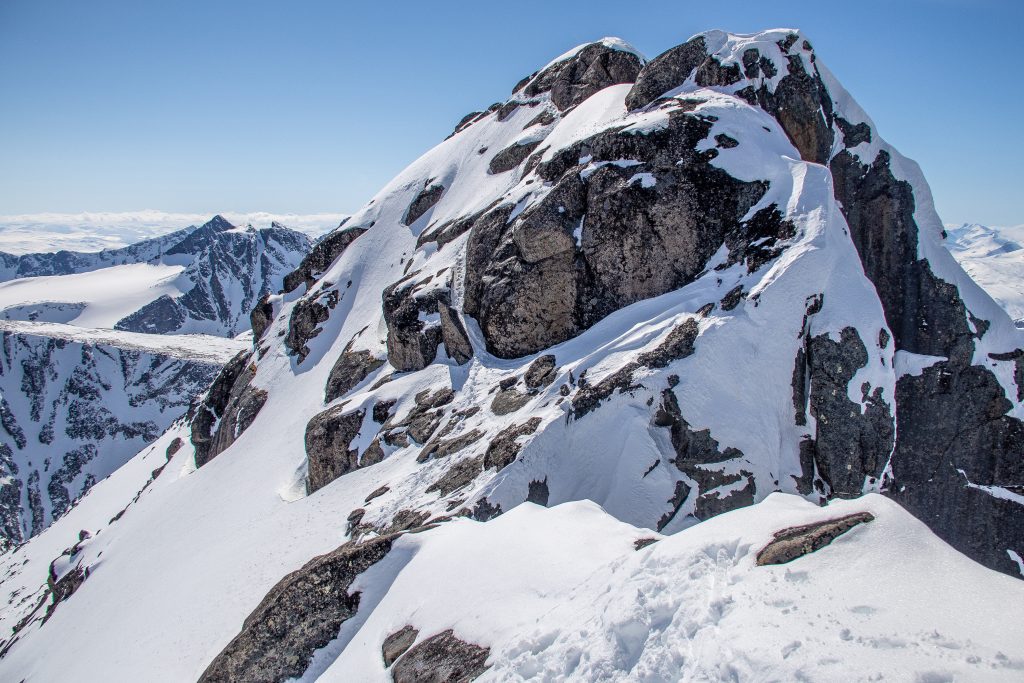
(626, 379)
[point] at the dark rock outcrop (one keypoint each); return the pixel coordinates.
(261, 316)
(228, 409)
(396, 644)
(441, 658)
(530, 285)
(299, 615)
(790, 544)
(511, 156)
(413, 338)
(424, 201)
(668, 70)
(505, 447)
(319, 259)
(541, 372)
(351, 368)
(590, 70)
(328, 438)
(852, 445)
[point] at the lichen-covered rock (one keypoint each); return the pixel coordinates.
(790, 544)
(328, 438)
(541, 372)
(511, 156)
(505, 447)
(442, 658)
(573, 80)
(299, 615)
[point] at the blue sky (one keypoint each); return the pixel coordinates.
(311, 106)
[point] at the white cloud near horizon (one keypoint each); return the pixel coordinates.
(93, 231)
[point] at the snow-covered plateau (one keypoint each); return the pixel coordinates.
(656, 371)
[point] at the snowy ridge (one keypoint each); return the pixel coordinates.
(462, 359)
(199, 347)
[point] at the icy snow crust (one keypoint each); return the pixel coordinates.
(173, 579)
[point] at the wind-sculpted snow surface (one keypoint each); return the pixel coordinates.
(672, 298)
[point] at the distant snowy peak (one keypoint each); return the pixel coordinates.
(994, 258)
(204, 280)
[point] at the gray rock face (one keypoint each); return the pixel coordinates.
(304, 322)
(954, 431)
(441, 658)
(351, 368)
(510, 157)
(228, 409)
(665, 72)
(328, 437)
(413, 338)
(321, 256)
(850, 446)
(261, 316)
(299, 615)
(425, 200)
(790, 544)
(397, 643)
(573, 80)
(541, 372)
(530, 285)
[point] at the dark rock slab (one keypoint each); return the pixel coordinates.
(299, 615)
(424, 201)
(319, 259)
(351, 368)
(573, 80)
(667, 71)
(328, 438)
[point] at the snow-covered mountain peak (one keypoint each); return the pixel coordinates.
(644, 294)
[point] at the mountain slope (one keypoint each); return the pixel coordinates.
(671, 288)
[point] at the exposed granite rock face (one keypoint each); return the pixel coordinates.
(396, 644)
(530, 285)
(441, 658)
(790, 544)
(851, 447)
(668, 70)
(419, 320)
(230, 406)
(163, 315)
(299, 615)
(328, 437)
(351, 368)
(573, 80)
(541, 372)
(319, 259)
(424, 201)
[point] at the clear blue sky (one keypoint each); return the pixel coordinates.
(311, 105)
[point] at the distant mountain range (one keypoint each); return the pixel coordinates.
(203, 280)
(994, 258)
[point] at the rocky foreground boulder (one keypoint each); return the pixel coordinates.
(675, 288)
